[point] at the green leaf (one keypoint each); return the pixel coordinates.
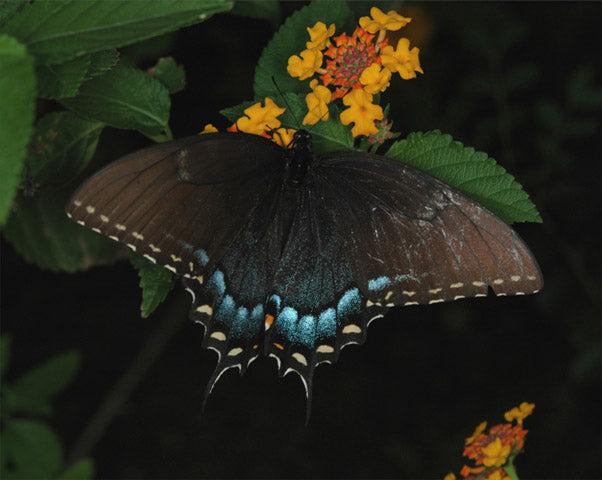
(100, 62)
(262, 9)
(61, 147)
(81, 470)
(42, 233)
(290, 40)
(327, 135)
(17, 110)
(124, 97)
(13, 402)
(169, 74)
(10, 9)
(5, 341)
(33, 448)
(474, 173)
(50, 378)
(61, 30)
(156, 282)
(62, 80)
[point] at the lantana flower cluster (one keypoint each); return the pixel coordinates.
(350, 68)
(493, 452)
(354, 68)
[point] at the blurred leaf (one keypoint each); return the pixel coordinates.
(156, 282)
(13, 402)
(62, 80)
(42, 233)
(171, 75)
(46, 380)
(124, 97)
(262, 9)
(290, 39)
(61, 147)
(17, 110)
(81, 470)
(582, 91)
(61, 30)
(33, 449)
(5, 341)
(102, 61)
(474, 173)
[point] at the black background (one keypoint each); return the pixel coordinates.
(402, 404)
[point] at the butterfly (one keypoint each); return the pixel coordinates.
(292, 255)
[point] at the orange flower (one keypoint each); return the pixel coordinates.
(477, 431)
(209, 128)
(258, 119)
(519, 413)
(317, 103)
(319, 35)
(307, 65)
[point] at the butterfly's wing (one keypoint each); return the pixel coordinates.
(411, 239)
(286, 273)
(181, 203)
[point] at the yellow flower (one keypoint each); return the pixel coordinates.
(362, 112)
(449, 476)
(477, 431)
(402, 60)
(519, 413)
(305, 66)
(498, 474)
(381, 21)
(495, 453)
(283, 136)
(375, 79)
(259, 119)
(319, 35)
(209, 128)
(317, 103)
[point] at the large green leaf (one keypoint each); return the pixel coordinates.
(61, 147)
(472, 172)
(290, 40)
(42, 233)
(17, 109)
(62, 80)
(61, 30)
(125, 97)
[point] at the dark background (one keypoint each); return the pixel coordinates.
(520, 81)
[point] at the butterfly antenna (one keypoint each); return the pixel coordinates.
(287, 104)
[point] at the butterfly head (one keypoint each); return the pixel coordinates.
(300, 159)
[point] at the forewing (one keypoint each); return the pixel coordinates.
(412, 239)
(181, 203)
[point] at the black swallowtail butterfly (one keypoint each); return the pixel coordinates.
(293, 255)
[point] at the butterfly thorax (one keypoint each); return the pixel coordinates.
(299, 159)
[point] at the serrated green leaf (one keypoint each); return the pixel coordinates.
(61, 147)
(42, 233)
(5, 341)
(17, 110)
(32, 448)
(62, 80)
(290, 40)
(61, 30)
(474, 173)
(156, 282)
(124, 97)
(102, 61)
(48, 379)
(81, 470)
(171, 75)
